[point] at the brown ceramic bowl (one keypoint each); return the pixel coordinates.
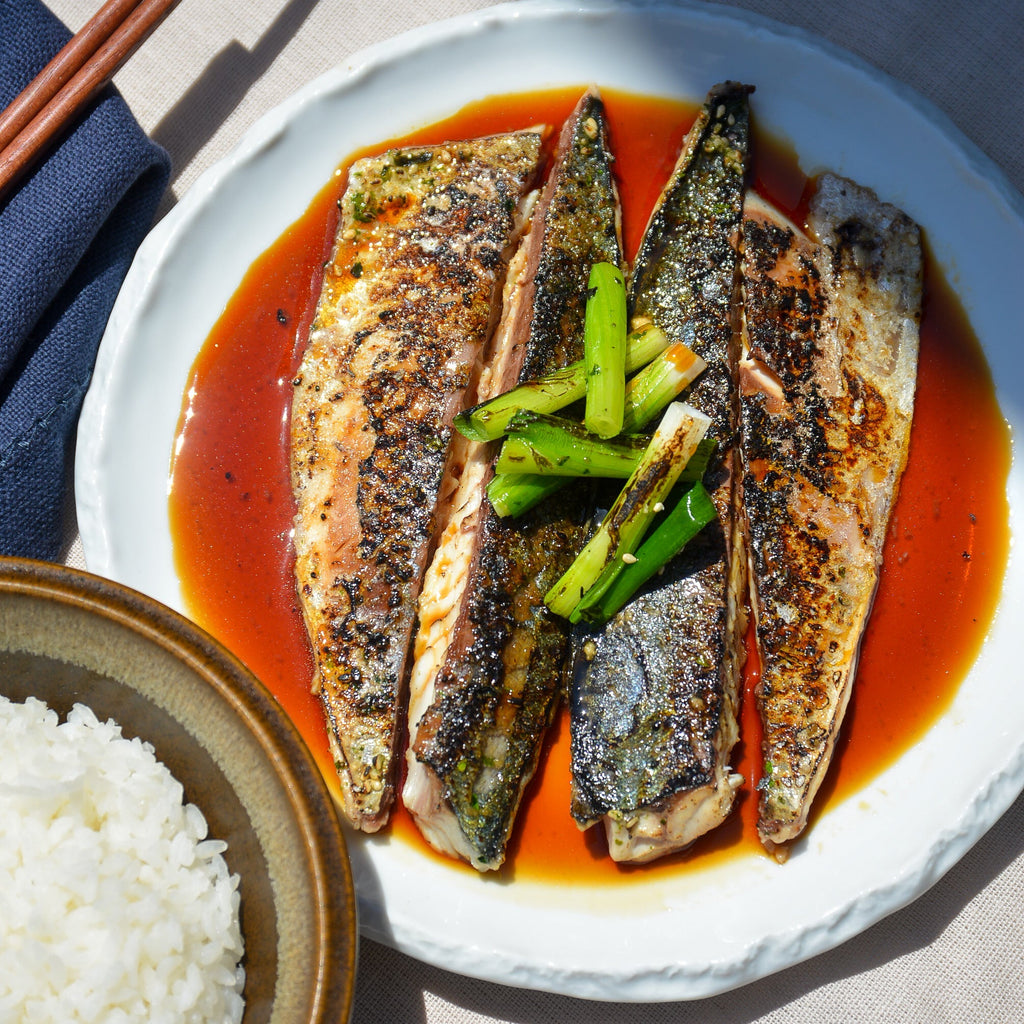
(67, 637)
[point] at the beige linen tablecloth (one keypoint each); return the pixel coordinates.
(957, 953)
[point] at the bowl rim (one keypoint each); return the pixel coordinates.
(319, 823)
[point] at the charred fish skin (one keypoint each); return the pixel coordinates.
(655, 693)
(828, 383)
(408, 300)
(500, 685)
(582, 226)
(478, 718)
(684, 276)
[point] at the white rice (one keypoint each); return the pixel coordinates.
(114, 906)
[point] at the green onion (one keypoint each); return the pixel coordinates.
(659, 383)
(549, 393)
(552, 391)
(693, 511)
(512, 494)
(698, 464)
(604, 349)
(558, 447)
(582, 454)
(674, 442)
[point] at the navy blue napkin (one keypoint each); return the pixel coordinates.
(67, 238)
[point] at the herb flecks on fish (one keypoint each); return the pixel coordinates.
(407, 304)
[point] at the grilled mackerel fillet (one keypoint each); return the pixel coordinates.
(490, 658)
(828, 381)
(409, 298)
(655, 693)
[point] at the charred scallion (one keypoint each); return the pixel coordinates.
(554, 446)
(659, 383)
(674, 442)
(604, 349)
(691, 513)
(512, 494)
(553, 391)
(698, 463)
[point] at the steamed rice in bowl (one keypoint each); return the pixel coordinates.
(114, 902)
(69, 638)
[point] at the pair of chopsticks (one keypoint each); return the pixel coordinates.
(52, 101)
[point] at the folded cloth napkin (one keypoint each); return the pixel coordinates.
(67, 238)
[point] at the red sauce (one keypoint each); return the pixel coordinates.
(231, 506)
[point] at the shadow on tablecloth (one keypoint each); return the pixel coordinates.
(211, 98)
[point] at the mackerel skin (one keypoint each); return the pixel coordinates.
(493, 670)
(655, 692)
(828, 382)
(409, 298)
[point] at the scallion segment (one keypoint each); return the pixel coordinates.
(698, 464)
(554, 446)
(512, 494)
(604, 349)
(553, 391)
(690, 514)
(643, 343)
(674, 442)
(657, 384)
(547, 394)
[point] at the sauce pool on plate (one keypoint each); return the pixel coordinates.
(231, 507)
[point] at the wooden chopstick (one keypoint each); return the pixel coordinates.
(51, 102)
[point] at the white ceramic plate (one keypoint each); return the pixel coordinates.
(675, 937)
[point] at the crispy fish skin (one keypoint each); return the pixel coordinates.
(828, 383)
(408, 300)
(492, 659)
(655, 693)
